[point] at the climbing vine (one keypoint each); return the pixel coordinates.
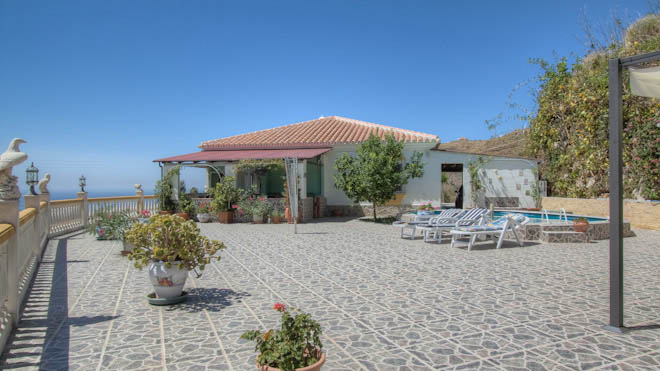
(569, 132)
(260, 165)
(474, 170)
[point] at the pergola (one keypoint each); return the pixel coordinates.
(643, 82)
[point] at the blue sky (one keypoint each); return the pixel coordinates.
(103, 88)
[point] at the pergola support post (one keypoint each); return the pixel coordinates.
(616, 197)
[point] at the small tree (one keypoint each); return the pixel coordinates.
(377, 172)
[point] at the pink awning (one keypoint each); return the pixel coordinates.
(247, 154)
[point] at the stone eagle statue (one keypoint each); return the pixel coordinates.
(138, 187)
(43, 184)
(10, 158)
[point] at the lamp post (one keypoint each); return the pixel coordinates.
(82, 182)
(32, 178)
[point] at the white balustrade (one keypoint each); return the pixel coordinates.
(23, 236)
(65, 217)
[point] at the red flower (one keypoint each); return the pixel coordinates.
(279, 307)
(261, 198)
(234, 206)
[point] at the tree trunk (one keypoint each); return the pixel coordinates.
(375, 220)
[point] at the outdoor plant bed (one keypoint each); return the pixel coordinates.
(170, 247)
(295, 346)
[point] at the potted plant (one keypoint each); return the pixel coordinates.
(144, 216)
(107, 225)
(225, 196)
(295, 346)
(276, 216)
(170, 247)
(203, 212)
(255, 206)
(581, 225)
(187, 207)
(164, 191)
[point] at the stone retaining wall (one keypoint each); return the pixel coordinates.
(367, 210)
(641, 214)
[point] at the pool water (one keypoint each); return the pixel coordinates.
(554, 217)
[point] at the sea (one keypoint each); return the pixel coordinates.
(66, 195)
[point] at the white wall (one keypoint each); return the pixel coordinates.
(429, 187)
(417, 190)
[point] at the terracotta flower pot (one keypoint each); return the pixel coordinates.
(276, 219)
(226, 217)
(315, 367)
(581, 226)
(185, 216)
(166, 212)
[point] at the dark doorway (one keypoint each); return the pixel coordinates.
(452, 180)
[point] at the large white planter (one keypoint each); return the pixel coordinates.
(168, 282)
(203, 218)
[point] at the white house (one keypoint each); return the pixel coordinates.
(507, 181)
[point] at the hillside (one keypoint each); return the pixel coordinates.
(511, 145)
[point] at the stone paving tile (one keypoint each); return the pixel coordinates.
(442, 354)
(649, 361)
(383, 302)
(485, 344)
(574, 356)
(526, 360)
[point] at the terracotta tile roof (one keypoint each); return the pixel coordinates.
(323, 131)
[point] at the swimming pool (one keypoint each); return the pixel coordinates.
(537, 217)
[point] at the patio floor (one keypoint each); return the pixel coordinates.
(384, 303)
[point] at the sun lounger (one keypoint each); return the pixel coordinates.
(412, 226)
(496, 228)
(434, 231)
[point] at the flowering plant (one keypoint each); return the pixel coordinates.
(257, 206)
(295, 345)
(145, 213)
(426, 207)
(110, 226)
(204, 208)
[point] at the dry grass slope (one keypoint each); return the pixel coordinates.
(511, 144)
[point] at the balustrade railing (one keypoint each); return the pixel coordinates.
(65, 216)
(24, 235)
(22, 240)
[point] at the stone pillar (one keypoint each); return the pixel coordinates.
(140, 202)
(45, 197)
(32, 201)
(9, 215)
(84, 209)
